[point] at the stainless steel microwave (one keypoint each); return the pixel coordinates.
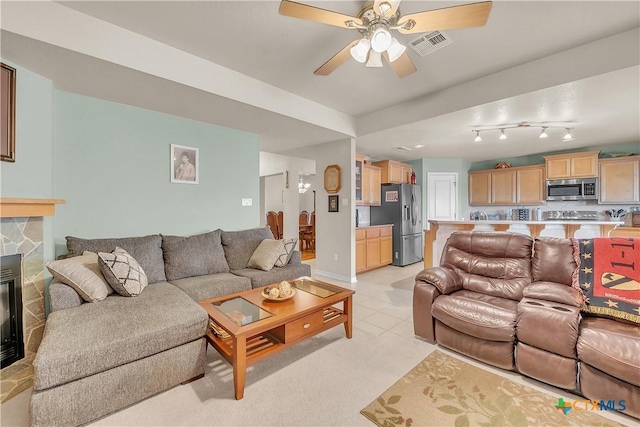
(572, 189)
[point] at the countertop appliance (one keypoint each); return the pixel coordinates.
(572, 189)
(401, 206)
(571, 215)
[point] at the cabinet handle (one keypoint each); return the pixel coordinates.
(306, 325)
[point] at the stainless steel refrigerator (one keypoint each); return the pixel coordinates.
(401, 206)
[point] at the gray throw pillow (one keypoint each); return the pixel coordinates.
(83, 274)
(288, 246)
(122, 272)
(193, 256)
(266, 254)
(146, 250)
(240, 245)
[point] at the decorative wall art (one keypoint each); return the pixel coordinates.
(8, 114)
(333, 203)
(184, 164)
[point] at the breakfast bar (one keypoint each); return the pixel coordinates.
(439, 231)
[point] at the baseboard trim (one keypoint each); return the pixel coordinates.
(336, 276)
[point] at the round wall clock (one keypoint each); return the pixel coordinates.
(332, 179)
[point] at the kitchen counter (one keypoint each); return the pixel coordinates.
(373, 226)
(436, 237)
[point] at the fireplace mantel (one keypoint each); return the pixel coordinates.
(16, 208)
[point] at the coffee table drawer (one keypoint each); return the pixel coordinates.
(301, 327)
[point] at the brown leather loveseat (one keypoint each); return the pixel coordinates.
(507, 300)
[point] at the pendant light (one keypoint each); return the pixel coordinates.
(567, 136)
(543, 134)
(478, 139)
(503, 135)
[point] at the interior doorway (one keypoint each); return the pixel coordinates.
(443, 195)
(307, 221)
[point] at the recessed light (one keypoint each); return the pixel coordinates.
(418, 146)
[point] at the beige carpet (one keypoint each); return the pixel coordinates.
(442, 390)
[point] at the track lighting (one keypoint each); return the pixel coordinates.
(567, 136)
(543, 130)
(543, 134)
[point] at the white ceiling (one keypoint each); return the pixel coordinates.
(510, 70)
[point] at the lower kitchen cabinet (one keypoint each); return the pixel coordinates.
(374, 247)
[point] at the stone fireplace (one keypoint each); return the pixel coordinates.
(21, 232)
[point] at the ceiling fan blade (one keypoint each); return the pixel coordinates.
(468, 15)
(403, 66)
(392, 3)
(310, 13)
(337, 60)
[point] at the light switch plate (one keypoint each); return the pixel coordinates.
(247, 202)
(345, 202)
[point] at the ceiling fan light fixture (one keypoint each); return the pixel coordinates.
(503, 135)
(543, 134)
(380, 40)
(360, 50)
(375, 59)
(395, 50)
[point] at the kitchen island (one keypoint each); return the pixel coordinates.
(439, 232)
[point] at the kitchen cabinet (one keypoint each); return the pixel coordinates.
(572, 165)
(393, 172)
(510, 186)
(503, 187)
(620, 180)
(480, 188)
(530, 185)
(371, 187)
(374, 247)
(359, 163)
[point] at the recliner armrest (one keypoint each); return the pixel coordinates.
(444, 279)
(554, 292)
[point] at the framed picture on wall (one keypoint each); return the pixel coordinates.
(333, 203)
(184, 164)
(8, 114)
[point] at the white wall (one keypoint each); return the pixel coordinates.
(335, 231)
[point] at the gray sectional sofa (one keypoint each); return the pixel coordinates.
(97, 358)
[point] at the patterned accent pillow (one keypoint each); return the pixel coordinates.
(123, 272)
(266, 254)
(82, 273)
(287, 251)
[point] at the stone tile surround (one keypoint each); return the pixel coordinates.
(25, 236)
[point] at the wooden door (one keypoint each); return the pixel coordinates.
(503, 187)
(584, 166)
(361, 255)
(620, 180)
(558, 167)
(480, 188)
(376, 187)
(530, 185)
(373, 252)
(386, 250)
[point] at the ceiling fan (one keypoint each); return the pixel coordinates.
(375, 22)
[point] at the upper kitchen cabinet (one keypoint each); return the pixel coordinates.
(367, 182)
(393, 172)
(620, 180)
(572, 165)
(509, 186)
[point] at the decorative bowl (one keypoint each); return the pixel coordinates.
(269, 298)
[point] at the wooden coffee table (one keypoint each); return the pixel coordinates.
(257, 328)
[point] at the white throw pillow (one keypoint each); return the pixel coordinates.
(266, 254)
(83, 274)
(288, 246)
(122, 272)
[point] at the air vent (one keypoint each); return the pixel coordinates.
(430, 42)
(402, 148)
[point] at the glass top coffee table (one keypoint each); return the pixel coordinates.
(246, 328)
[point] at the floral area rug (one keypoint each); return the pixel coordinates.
(445, 391)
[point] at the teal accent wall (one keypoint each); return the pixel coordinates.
(538, 159)
(113, 167)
